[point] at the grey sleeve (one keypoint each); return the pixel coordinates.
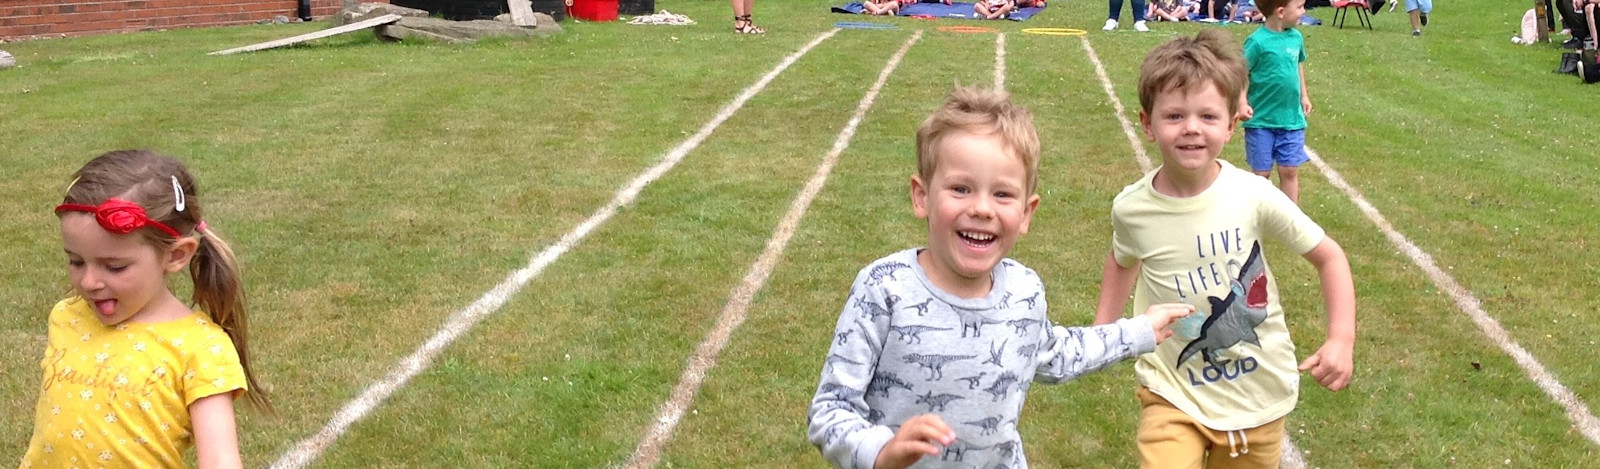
(1070, 352)
(839, 422)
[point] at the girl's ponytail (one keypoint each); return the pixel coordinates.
(219, 290)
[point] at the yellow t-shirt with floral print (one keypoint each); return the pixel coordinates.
(118, 396)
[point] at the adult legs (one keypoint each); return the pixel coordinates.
(1572, 19)
(741, 17)
(1589, 13)
(1139, 8)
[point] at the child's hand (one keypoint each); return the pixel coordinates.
(1162, 315)
(1245, 112)
(923, 435)
(1305, 104)
(1332, 365)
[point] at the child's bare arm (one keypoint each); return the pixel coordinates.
(1305, 93)
(1333, 363)
(216, 437)
(1245, 111)
(1163, 315)
(923, 435)
(1116, 282)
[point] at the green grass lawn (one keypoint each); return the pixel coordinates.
(373, 189)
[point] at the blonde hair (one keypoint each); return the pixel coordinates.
(1190, 64)
(146, 178)
(980, 112)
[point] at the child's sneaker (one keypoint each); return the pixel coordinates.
(1140, 27)
(1110, 25)
(1416, 32)
(1424, 18)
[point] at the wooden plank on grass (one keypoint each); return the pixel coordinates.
(521, 13)
(356, 26)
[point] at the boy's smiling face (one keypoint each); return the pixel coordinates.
(1189, 126)
(977, 206)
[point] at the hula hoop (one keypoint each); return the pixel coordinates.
(863, 25)
(1055, 31)
(967, 29)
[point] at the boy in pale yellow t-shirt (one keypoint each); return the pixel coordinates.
(1215, 395)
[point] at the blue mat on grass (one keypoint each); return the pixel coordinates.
(961, 10)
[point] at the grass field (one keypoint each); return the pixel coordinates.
(373, 190)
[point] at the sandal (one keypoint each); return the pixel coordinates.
(743, 25)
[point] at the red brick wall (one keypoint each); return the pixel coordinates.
(24, 19)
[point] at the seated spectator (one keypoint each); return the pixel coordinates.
(1210, 9)
(1246, 12)
(880, 7)
(1169, 10)
(993, 9)
(1589, 9)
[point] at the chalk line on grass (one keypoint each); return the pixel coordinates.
(307, 450)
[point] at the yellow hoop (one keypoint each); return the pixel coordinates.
(1055, 31)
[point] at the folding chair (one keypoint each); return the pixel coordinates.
(1342, 11)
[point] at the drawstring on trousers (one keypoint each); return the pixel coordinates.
(1243, 446)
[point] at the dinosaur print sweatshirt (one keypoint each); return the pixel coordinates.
(903, 348)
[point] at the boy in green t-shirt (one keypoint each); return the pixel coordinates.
(1275, 99)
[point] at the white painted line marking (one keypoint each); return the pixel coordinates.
(461, 321)
(1292, 457)
(733, 313)
(1577, 411)
(1000, 61)
(1127, 127)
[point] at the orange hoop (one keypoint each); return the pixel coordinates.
(967, 29)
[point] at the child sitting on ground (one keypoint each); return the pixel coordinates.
(993, 9)
(1168, 10)
(881, 7)
(1244, 11)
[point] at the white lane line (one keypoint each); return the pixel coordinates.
(1577, 411)
(1127, 127)
(461, 321)
(733, 313)
(1292, 457)
(1000, 61)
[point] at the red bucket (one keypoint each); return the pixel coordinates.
(593, 10)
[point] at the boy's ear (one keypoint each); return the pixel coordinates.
(1027, 213)
(919, 197)
(1144, 123)
(179, 255)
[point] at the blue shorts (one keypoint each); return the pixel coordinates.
(1265, 147)
(1425, 5)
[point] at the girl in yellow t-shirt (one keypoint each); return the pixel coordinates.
(133, 376)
